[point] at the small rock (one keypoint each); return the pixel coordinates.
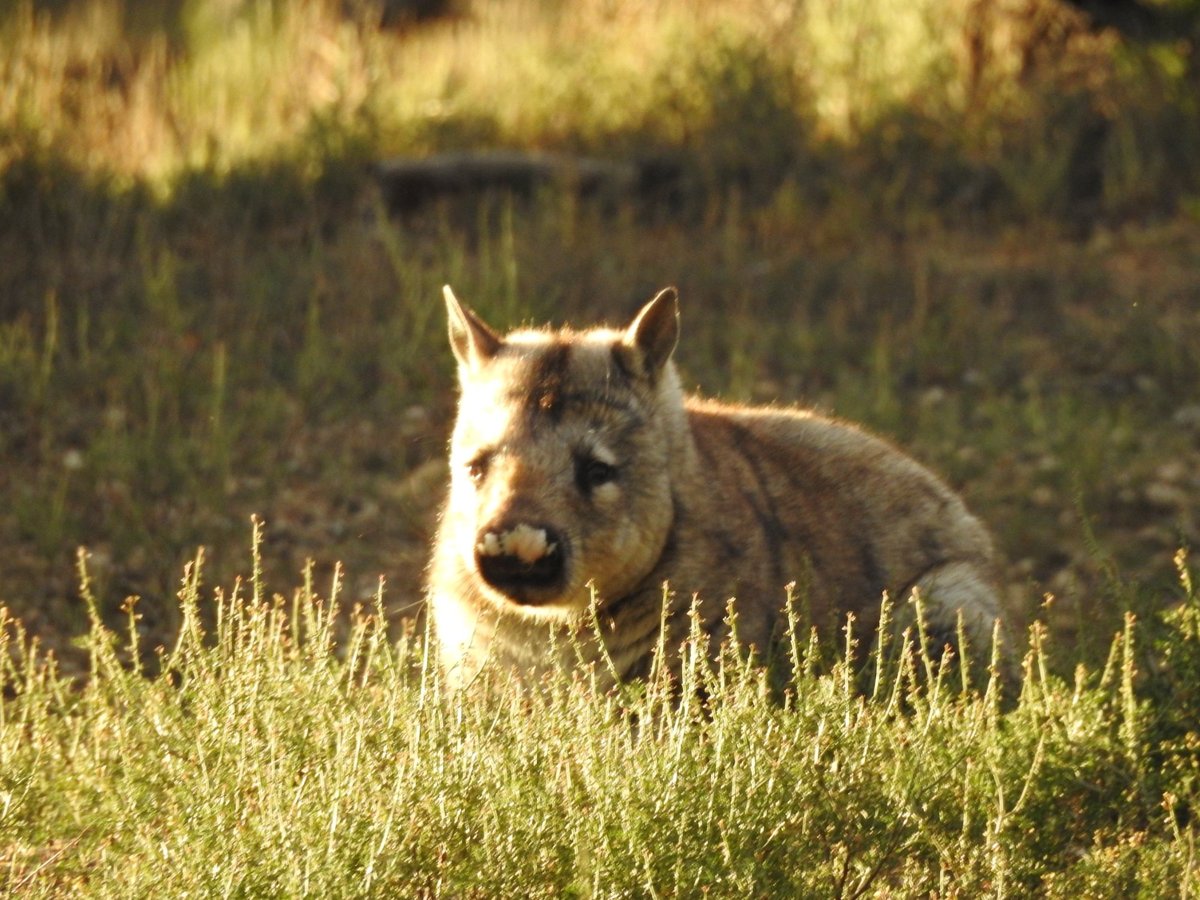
(1043, 496)
(414, 420)
(369, 510)
(423, 485)
(1172, 472)
(967, 454)
(1063, 583)
(1048, 463)
(1156, 536)
(1188, 416)
(72, 460)
(933, 396)
(1168, 496)
(99, 560)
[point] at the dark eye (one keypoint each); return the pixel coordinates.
(591, 473)
(477, 468)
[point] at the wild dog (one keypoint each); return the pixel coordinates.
(583, 481)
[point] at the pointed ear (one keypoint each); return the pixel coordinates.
(472, 339)
(654, 331)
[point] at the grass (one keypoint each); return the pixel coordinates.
(276, 756)
(169, 372)
(971, 230)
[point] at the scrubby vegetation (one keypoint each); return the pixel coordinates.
(272, 758)
(970, 225)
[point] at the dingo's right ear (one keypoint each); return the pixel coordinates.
(472, 339)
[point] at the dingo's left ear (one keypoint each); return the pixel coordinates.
(654, 331)
(472, 339)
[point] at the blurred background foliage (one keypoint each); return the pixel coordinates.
(1001, 107)
(971, 224)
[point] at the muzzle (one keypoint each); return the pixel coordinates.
(525, 562)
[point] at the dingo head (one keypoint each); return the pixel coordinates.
(561, 457)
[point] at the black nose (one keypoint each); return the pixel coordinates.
(524, 562)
